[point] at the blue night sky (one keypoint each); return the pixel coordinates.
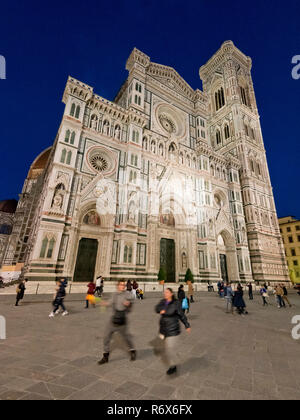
(45, 42)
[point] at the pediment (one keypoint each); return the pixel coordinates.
(171, 79)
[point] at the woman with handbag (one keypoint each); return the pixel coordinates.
(121, 304)
(184, 301)
(171, 313)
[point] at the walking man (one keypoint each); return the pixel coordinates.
(121, 304)
(285, 296)
(229, 298)
(250, 288)
(59, 298)
(21, 291)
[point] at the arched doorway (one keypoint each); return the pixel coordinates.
(229, 270)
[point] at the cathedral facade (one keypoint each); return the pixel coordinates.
(164, 176)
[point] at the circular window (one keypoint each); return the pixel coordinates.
(167, 123)
(98, 162)
(101, 160)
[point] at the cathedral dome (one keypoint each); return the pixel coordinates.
(39, 164)
(8, 206)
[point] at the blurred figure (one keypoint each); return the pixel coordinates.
(184, 302)
(229, 298)
(90, 298)
(21, 291)
(99, 286)
(140, 294)
(285, 295)
(1, 283)
(238, 301)
(279, 295)
(170, 310)
(59, 298)
(135, 286)
(250, 289)
(191, 292)
(129, 286)
(264, 295)
(121, 304)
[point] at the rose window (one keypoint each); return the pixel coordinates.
(167, 124)
(99, 163)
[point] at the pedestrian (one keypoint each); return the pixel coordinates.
(170, 310)
(140, 294)
(279, 295)
(59, 297)
(135, 286)
(129, 286)
(285, 295)
(21, 291)
(90, 297)
(229, 298)
(250, 289)
(238, 300)
(183, 299)
(191, 292)
(264, 296)
(99, 283)
(121, 304)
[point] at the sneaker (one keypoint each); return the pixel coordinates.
(52, 315)
(65, 313)
(172, 370)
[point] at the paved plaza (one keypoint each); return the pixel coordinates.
(225, 357)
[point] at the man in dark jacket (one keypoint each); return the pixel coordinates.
(171, 313)
(21, 291)
(59, 298)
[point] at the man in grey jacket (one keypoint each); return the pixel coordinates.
(121, 304)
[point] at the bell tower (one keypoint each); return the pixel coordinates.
(234, 130)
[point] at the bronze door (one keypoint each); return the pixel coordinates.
(223, 264)
(86, 260)
(167, 258)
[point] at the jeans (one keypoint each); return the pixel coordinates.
(59, 302)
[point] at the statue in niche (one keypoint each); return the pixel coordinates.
(184, 260)
(117, 132)
(94, 124)
(106, 128)
(57, 201)
(131, 212)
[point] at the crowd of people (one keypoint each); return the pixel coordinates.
(172, 310)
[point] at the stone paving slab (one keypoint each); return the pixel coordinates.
(225, 357)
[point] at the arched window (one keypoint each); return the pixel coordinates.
(246, 130)
(51, 248)
(219, 99)
(77, 113)
(67, 137)
(145, 143)
(72, 112)
(126, 254)
(226, 132)
(218, 137)
(153, 147)
(252, 132)
(44, 248)
(161, 150)
(63, 156)
(69, 158)
(130, 255)
(244, 96)
(72, 141)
